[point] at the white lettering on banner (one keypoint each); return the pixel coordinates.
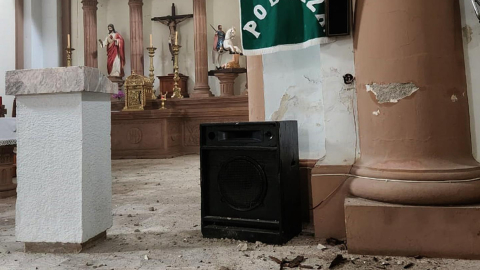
(274, 2)
(321, 19)
(251, 27)
(314, 2)
(260, 12)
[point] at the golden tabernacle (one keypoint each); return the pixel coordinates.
(138, 89)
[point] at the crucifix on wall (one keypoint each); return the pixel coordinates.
(172, 21)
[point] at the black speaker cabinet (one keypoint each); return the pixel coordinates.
(338, 13)
(250, 181)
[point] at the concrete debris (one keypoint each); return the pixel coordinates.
(321, 247)
(337, 261)
(146, 257)
(454, 98)
(376, 113)
(392, 92)
(297, 262)
(243, 247)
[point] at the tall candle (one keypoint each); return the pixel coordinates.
(68, 41)
(176, 37)
(151, 41)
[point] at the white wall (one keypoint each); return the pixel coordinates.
(117, 12)
(307, 86)
(293, 91)
(42, 34)
(7, 47)
(339, 103)
(471, 45)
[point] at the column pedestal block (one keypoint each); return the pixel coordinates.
(375, 228)
(64, 152)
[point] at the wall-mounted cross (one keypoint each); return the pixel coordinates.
(172, 21)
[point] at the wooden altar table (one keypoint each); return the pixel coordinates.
(156, 134)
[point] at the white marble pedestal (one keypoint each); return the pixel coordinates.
(64, 163)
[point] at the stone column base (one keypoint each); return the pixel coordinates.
(375, 228)
(64, 247)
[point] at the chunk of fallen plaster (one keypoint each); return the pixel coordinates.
(454, 98)
(391, 92)
(376, 113)
(321, 247)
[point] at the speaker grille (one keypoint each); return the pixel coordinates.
(242, 183)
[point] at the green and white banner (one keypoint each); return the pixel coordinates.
(277, 25)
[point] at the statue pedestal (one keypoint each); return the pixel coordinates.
(120, 82)
(167, 83)
(227, 79)
(65, 193)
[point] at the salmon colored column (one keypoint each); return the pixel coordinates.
(90, 32)
(256, 98)
(136, 35)
(201, 88)
(412, 104)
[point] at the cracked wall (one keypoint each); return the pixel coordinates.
(307, 86)
(293, 91)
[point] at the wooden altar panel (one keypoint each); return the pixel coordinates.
(167, 83)
(175, 131)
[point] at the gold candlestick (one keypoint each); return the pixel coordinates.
(151, 53)
(163, 98)
(69, 56)
(176, 90)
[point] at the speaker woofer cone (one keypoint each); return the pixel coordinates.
(242, 183)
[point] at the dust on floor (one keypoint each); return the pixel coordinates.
(156, 225)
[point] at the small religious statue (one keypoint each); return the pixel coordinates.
(115, 52)
(218, 39)
(223, 42)
(172, 21)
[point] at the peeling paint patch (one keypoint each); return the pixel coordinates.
(454, 98)
(376, 113)
(280, 113)
(391, 92)
(467, 33)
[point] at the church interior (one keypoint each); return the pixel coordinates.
(240, 134)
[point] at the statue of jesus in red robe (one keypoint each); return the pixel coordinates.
(115, 51)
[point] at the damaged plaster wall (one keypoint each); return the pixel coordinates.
(293, 91)
(307, 86)
(339, 102)
(392, 92)
(471, 46)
